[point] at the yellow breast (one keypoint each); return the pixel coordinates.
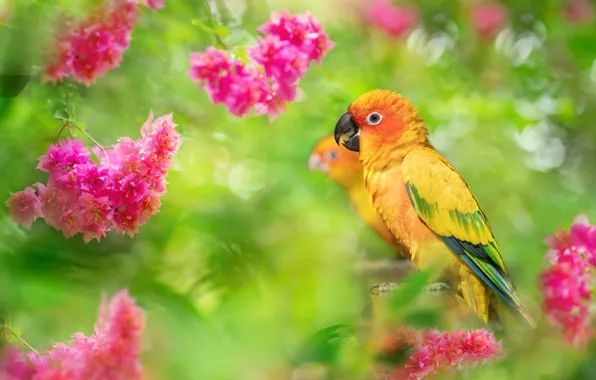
(393, 205)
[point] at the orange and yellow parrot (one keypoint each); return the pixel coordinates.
(343, 167)
(425, 202)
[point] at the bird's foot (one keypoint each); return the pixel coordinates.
(388, 288)
(384, 288)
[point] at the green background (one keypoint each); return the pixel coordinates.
(251, 253)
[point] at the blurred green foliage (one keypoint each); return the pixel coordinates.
(252, 254)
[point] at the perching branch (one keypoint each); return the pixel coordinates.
(385, 289)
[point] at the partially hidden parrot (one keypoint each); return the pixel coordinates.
(426, 204)
(344, 167)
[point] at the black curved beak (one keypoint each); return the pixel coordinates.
(346, 126)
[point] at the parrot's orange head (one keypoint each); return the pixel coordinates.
(379, 118)
(340, 164)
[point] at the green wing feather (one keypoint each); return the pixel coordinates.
(443, 200)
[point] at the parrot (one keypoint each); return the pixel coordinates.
(426, 204)
(343, 167)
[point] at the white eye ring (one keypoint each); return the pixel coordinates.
(374, 118)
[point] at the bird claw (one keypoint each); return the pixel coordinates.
(437, 287)
(384, 288)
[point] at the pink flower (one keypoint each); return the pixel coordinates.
(479, 345)
(24, 207)
(55, 203)
(69, 222)
(161, 137)
(283, 63)
(420, 363)
(303, 31)
(93, 179)
(16, 366)
(62, 158)
(392, 19)
(88, 49)
(228, 81)
(271, 79)
(580, 11)
(95, 214)
(154, 4)
(566, 284)
(434, 350)
(120, 193)
(112, 353)
(582, 236)
(488, 18)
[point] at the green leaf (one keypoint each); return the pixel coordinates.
(240, 37)
(61, 114)
(54, 105)
(324, 345)
(216, 29)
(409, 290)
(4, 105)
(11, 84)
(420, 318)
(10, 334)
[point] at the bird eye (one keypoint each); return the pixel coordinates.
(331, 155)
(374, 118)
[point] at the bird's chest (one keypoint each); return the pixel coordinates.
(391, 201)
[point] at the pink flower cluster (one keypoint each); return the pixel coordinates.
(271, 78)
(87, 49)
(122, 192)
(392, 19)
(112, 353)
(434, 350)
(566, 284)
(488, 18)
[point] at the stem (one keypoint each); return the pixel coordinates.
(60, 132)
(95, 142)
(26, 344)
(68, 111)
(67, 99)
(5, 329)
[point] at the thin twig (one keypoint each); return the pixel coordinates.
(26, 344)
(95, 142)
(67, 109)
(66, 123)
(67, 97)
